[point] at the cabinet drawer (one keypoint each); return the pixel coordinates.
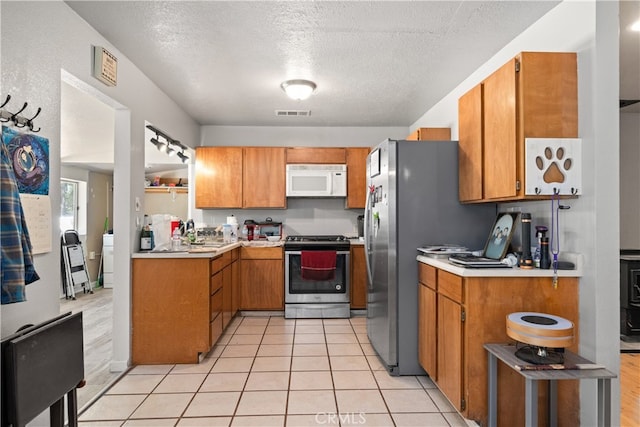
(261, 253)
(215, 330)
(216, 304)
(215, 283)
(450, 286)
(427, 275)
(220, 262)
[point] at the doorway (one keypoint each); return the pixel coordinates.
(89, 122)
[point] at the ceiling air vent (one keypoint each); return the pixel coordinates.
(293, 113)
(627, 102)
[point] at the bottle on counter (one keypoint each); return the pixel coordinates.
(145, 239)
(245, 232)
(175, 240)
(540, 233)
(191, 232)
(545, 257)
(146, 235)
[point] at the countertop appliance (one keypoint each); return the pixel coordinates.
(412, 200)
(325, 291)
(629, 292)
(311, 180)
(263, 229)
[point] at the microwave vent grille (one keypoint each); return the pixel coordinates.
(293, 113)
(317, 167)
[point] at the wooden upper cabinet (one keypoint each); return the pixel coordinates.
(534, 95)
(264, 177)
(218, 177)
(500, 133)
(430, 134)
(548, 93)
(356, 177)
(317, 155)
(470, 145)
(255, 177)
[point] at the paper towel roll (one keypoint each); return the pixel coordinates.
(232, 220)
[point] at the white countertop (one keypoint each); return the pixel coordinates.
(444, 264)
(205, 251)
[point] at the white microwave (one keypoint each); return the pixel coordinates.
(316, 180)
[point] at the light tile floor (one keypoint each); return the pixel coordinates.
(271, 371)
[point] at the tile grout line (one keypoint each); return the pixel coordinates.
(422, 386)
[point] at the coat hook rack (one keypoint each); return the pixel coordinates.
(6, 101)
(18, 120)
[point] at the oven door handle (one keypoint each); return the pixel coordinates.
(300, 252)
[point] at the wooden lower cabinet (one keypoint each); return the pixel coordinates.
(427, 326)
(358, 278)
(226, 296)
(471, 311)
(261, 278)
(180, 306)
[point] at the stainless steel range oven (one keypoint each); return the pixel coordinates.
(316, 277)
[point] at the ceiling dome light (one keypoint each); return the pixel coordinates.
(298, 89)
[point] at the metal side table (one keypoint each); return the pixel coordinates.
(506, 353)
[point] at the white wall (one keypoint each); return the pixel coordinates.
(591, 226)
(298, 136)
(629, 180)
(41, 43)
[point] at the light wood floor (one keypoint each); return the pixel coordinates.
(630, 389)
(97, 323)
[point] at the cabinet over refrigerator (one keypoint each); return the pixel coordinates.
(412, 201)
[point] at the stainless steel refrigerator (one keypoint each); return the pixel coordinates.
(412, 201)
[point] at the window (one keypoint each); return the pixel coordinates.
(68, 205)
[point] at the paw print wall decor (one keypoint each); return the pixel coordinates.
(553, 165)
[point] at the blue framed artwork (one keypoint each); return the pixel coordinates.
(30, 160)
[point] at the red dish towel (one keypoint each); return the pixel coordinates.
(318, 265)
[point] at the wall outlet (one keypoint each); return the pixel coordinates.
(92, 255)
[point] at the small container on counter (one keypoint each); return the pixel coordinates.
(226, 233)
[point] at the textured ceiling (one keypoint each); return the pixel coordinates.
(375, 63)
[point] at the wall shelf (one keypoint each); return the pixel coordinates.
(166, 189)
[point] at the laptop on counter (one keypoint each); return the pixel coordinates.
(495, 247)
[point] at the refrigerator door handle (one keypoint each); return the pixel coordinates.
(367, 239)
